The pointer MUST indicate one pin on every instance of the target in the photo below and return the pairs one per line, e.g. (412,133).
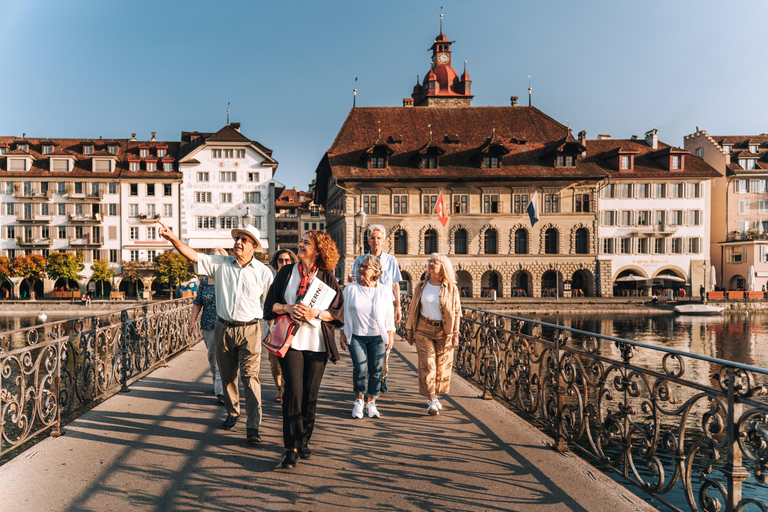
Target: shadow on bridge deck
(159,447)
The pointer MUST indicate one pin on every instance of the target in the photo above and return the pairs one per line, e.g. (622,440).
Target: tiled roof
(284,201)
(741,145)
(524,131)
(228,134)
(648,162)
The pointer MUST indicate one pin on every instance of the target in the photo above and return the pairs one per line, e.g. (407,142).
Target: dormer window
(753,148)
(47,149)
(378,162)
(112,149)
(144,152)
(564,161)
(727,148)
(134,166)
(429,162)
(677,162)
(168,166)
(22,147)
(87,150)
(626,162)
(151,166)
(491,162)
(748,163)
(161,152)
(2,151)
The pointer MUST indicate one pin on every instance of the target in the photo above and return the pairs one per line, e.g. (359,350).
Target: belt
(236,324)
(433,323)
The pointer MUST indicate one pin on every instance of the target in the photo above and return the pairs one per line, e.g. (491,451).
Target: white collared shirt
(240,291)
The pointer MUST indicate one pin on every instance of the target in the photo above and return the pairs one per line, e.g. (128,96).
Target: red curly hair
(327,254)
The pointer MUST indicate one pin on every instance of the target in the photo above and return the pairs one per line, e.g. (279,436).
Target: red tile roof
(525,132)
(740,149)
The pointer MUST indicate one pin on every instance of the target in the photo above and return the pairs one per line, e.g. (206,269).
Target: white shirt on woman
(308,337)
(430,302)
(368,311)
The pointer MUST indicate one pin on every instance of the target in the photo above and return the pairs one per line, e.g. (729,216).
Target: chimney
(133,137)
(153,136)
(634,137)
(652,138)
(236,126)
(514,101)
(407,102)
(603,136)
(583,137)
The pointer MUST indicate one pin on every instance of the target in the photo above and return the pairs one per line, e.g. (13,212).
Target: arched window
(550,241)
(460,241)
(430,241)
(521,241)
(401,242)
(582,241)
(491,247)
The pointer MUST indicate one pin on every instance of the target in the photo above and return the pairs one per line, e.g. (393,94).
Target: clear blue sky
(95,68)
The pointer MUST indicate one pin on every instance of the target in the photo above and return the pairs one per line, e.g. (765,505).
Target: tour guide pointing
(241,286)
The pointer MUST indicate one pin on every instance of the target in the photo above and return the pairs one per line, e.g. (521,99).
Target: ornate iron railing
(51,372)
(690,430)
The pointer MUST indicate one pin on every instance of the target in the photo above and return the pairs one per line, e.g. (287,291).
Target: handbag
(280,335)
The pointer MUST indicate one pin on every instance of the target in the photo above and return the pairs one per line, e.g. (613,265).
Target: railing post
(124,352)
(561,442)
(56,430)
(733,470)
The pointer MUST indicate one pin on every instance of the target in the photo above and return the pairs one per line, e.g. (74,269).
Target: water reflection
(733,337)
(13,323)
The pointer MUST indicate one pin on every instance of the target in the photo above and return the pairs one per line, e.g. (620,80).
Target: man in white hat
(241,283)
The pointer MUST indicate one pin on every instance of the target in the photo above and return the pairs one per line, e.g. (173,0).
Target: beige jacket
(450,307)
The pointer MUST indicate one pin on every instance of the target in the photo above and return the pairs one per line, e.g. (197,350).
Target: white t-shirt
(430,302)
(308,337)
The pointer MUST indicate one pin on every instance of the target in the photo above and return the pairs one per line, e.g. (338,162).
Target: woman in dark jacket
(304,363)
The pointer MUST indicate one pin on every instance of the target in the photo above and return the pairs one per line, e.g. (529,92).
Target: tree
(101,271)
(31,267)
(5,268)
(172,268)
(60,265)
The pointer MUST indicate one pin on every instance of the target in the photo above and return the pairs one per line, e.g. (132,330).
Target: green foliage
(31,267)
(102,271)
(172,268)
(130,270)
(61,265)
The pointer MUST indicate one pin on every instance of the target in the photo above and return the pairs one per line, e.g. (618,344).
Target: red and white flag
(440,210)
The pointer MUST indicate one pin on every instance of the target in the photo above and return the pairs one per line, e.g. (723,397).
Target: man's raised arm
(180,246)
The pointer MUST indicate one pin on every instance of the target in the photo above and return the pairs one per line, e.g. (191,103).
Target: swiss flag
(440,210)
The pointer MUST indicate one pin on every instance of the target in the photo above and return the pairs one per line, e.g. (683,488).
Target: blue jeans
(367,354)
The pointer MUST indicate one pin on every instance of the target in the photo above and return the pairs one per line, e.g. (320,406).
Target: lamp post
(359,226)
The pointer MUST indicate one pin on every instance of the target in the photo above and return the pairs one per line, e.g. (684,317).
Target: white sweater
(360,308)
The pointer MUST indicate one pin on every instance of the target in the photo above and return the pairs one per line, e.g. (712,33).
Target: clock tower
(442,86)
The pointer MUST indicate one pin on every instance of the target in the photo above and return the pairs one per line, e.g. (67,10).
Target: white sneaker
(432,408)
(373,412)
(438,404)
(357,409)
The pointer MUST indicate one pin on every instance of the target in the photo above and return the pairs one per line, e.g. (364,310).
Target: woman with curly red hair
(304,363)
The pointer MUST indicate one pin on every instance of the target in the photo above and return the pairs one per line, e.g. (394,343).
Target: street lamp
(359,226)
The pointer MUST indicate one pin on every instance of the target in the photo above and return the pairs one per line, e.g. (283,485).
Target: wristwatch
(319,315)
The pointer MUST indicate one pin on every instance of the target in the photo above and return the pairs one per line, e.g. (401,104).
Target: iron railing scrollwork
(50,372)
(690,430)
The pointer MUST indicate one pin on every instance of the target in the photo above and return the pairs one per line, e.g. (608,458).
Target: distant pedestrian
(241,283)
(205,301)
(369,329)
(390,277)
(433,326)
(304,363)
(279,260)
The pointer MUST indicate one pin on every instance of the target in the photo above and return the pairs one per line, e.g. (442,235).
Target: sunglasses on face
(244,239)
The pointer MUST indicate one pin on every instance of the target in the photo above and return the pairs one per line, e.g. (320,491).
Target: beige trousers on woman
(435,353)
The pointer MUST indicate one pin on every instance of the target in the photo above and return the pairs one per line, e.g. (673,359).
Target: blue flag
(533,210)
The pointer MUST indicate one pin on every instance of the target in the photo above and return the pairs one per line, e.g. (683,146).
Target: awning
(224,243)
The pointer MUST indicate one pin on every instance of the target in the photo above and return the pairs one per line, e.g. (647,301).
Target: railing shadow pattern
(51,372)
(690,430)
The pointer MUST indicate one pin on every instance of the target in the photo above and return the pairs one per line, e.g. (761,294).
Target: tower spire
(530,91)
(354,94)
(441,20)
(227,113)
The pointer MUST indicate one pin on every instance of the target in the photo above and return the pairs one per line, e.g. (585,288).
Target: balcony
(148,217)
(85,218)
(34,242)
(33,218)
(746,236)
(660,229)
(86,242)
(82,196)
(33,194)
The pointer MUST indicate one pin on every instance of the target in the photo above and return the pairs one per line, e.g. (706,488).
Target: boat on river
(698,309)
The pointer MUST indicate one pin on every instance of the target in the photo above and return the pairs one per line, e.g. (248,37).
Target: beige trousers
(238,350)
(435,352)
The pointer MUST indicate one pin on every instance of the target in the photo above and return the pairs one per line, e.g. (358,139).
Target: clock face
(442,58)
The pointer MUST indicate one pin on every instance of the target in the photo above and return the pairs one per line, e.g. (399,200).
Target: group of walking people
(237,292)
